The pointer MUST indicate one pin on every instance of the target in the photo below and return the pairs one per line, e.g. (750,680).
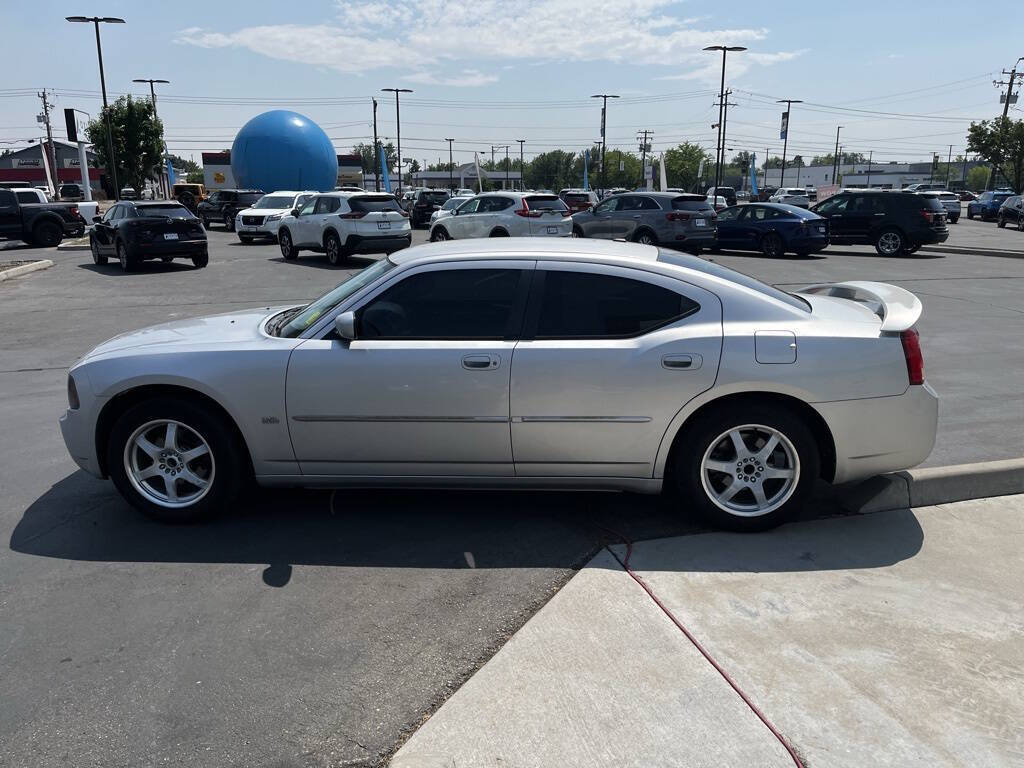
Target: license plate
(700,223)
(383,225)
(822,230)
(171,236)
(249,229)
(552,230)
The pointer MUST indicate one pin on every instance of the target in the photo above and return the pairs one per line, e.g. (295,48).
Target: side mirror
(97,219)
(295,212)
(345,325)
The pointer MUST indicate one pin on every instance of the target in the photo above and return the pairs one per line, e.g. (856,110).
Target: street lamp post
(451,167)
(522,167)
(604,134)
(165,189)
(719,151)
(785,139)
(95,21)
(835,158)
(398,128)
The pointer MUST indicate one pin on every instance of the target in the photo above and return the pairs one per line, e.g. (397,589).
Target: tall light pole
(96,21)
(835,158)
(719,153)
(398,127)
(451,167)
(152,93)
(522,166)
(785,139)
(604,139)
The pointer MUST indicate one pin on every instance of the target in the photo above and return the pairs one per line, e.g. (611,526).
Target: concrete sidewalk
(892,639)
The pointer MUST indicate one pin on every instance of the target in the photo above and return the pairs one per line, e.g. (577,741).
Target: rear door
(609,355)
(548,214)
(10,214)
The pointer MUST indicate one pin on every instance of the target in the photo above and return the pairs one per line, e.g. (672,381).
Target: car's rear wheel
(499,233)
(123,256)
(772,246)
(954,219)
(229,222)
(288,250)
(645,237)
(576,232)
(97,257)
(201,260)
(47,234)
(438,234)
(1001,223)
(175,461)
(245,239)
(890,242)
(332,247)
(746,468)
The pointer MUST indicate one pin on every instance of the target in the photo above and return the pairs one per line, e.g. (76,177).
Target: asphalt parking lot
(308,628)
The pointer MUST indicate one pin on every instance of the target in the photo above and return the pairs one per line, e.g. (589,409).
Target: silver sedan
(517,363)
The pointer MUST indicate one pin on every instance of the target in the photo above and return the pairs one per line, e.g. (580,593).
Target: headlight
(73,402)
(275,217)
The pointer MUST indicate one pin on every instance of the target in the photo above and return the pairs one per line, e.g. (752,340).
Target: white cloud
(710,70)
(372,34)
(469,78)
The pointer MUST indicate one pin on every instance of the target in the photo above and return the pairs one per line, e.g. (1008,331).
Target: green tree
(188,166)
(742,160)
(368,160)
(977,177)
(1001,142)
(682,163)
(137,137)
(555,170)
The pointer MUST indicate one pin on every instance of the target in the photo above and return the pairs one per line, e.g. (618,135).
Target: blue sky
(493,71)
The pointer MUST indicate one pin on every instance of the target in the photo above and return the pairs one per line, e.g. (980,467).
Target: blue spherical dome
(283,150)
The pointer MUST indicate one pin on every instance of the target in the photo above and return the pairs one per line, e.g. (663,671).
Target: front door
(460,225)
(302,227)
(729,227)
(103,230)
(10,214)
(601,225)
(835,209)
(424,388)
(609,356)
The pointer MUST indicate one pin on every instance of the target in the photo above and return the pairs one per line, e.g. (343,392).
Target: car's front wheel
(970,213)
(201,260)
(97,257)
(576,232)
(1001,223)
(123,256)
(229,222)
(746,468)
(438,234)
(288,249)
(890,242)
(47,234)
(175,461)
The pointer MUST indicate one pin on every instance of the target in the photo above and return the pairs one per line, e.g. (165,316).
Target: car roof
(546,249)
(153,203)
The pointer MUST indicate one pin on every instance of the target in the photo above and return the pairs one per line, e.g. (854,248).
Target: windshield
(373,203)
(282,202)
(576,197)
(296,321)
(170,211)
(545,203)
(433,198)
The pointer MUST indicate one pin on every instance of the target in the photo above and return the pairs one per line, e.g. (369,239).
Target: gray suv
(653,218)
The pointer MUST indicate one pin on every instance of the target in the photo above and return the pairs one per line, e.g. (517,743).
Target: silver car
(651,218)
(949,200)
(519,363)
(449,205)
(792,196)
(505,214)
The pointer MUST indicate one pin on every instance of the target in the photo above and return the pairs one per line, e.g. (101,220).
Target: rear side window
(327,205)
(581,305)
(373,203)
(27,197)
(492,204)
(689,204)
(545,203)
(7,198)
(447,304)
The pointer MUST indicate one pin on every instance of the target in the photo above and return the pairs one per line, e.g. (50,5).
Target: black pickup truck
(42,224)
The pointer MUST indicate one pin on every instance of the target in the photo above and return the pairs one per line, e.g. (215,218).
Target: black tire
(206,222)
(499,233)
(969,214)
(693,250)
(229,222)
(772,246)
(1001,223)
(439,234)
(284,240)
(125,257)
(201,260)
(704,435)
(577,232)
(890,242)
(97,257)
(47,234)
(645,237)
(228,467)
(247,239)
(954,219)
(332,247)
(715,249)
(166,259)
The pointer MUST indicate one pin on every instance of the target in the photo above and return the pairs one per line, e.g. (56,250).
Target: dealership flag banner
(700,168)
(479,178)
(384,169)
(586,162)
(753,174)
(664,176)
(785,125)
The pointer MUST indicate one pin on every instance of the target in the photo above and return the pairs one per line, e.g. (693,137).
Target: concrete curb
(932,485)
(74,245)
(24,269)
(956,250)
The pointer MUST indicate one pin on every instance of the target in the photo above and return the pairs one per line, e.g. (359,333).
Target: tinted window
(545,203)
(729,214)
(576,197)
(446,304)
(690,204)
(7,198)
(724,273)
(249,198)
(323,204)
(433,198)
(835,204)
(27,197)
(372,204)
(171,211)
(586,305)
(491,204)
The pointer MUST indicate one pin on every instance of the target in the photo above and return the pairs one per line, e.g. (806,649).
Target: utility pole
(49,140)
(785,137)
(963,177)
(1009,85)
(931,168)
(643,153)
(604,139)
(152,94)
(835,159)
(725,120)
(721,106)
(522,166)
(871,155)
(376,150)
(506,167)
(948,161)
(451,166)
(398,128)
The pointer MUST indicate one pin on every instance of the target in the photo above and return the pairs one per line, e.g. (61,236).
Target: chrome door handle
(636,217)
(879,214)
(480,362)
(681,362)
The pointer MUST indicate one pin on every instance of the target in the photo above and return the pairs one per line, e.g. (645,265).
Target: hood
(240,326)
(264,211)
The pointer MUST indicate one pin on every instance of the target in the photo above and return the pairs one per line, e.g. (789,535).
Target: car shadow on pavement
(146,267)
(710,255)
(319,261)
(81,518)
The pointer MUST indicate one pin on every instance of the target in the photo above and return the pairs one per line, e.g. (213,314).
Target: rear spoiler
(897,308)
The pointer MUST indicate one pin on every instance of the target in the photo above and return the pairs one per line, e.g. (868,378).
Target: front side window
(307,209)
(215,198)
(833,205)
(111,212)
(446,304)
(729,214)
(470,207)
(580,305)
(607,206)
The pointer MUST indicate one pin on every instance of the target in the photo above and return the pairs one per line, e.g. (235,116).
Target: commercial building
(863,175)
(26,166)
(217,171)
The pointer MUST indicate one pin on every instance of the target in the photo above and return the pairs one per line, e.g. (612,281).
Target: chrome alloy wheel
(750,470)
(890,243)
(169,463)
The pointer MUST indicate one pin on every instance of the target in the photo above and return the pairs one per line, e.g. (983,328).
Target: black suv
(224,204)
(1011,212)
(896,223)
(423,205)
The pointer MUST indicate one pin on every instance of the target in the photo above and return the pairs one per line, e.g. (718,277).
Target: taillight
(677,216)
(526,213)
(352,215)
(911,341)
(927,215)
(74,210)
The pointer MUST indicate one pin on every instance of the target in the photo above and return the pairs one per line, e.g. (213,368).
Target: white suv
(792,196)
(505,214)
(343,223)
(263,219)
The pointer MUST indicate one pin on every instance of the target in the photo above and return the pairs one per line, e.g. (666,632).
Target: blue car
(986,207)
(774,229)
